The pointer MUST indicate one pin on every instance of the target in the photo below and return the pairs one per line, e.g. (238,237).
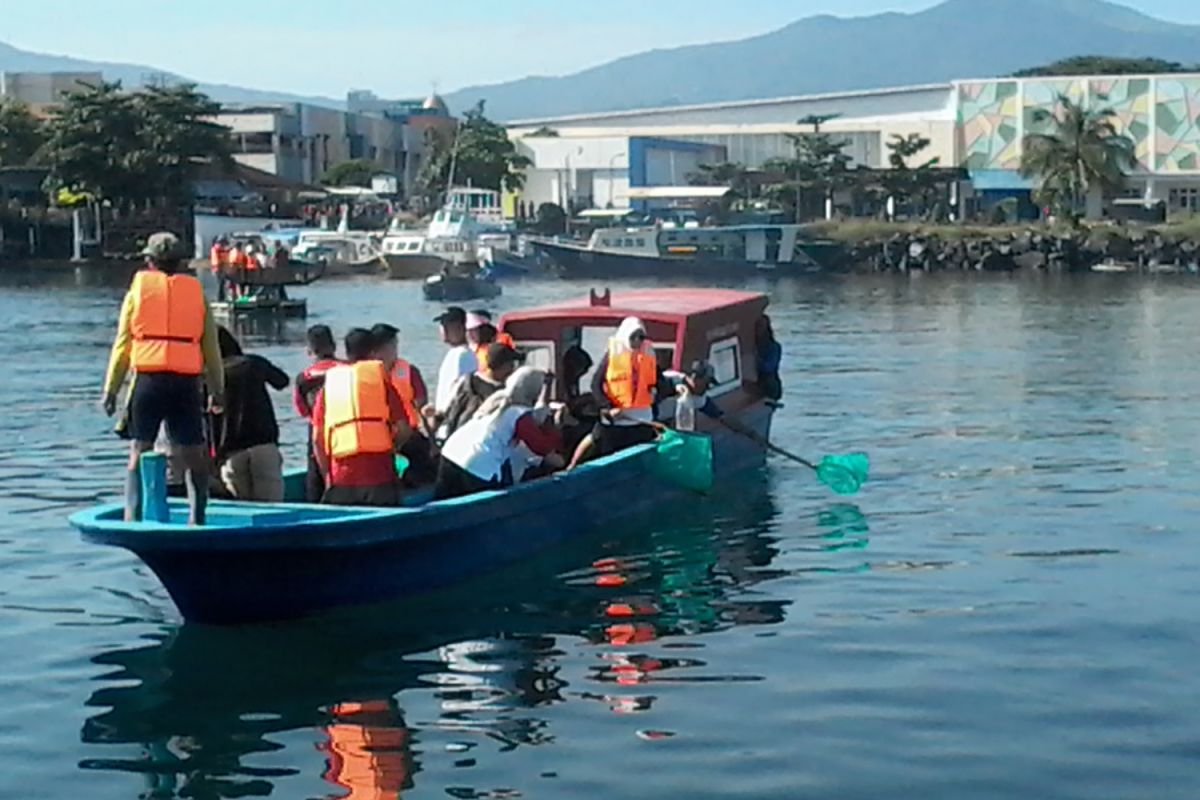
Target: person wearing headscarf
(626,384)
(477,457)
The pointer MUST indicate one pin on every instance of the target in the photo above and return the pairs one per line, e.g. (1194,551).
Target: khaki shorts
(255,473)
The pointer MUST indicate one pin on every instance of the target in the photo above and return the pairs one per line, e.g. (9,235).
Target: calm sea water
(1009,609)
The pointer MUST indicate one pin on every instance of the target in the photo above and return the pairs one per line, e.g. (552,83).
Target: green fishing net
(844,474)
(686,460)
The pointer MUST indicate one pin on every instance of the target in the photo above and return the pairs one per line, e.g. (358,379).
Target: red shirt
(370,469)
(309,383)
(542,441)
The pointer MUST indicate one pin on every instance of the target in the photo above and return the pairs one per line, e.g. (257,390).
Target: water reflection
(196,708)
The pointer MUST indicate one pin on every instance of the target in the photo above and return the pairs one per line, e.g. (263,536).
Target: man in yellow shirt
(167,336)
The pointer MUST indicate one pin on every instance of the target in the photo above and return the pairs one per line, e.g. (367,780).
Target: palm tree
(1079,159)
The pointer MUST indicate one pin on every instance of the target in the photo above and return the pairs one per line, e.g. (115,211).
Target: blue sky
(406,47)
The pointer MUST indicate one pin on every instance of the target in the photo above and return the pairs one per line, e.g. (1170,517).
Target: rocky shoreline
(1103,249)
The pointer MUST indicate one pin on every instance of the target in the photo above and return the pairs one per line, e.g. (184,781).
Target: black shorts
(165,397)
(611,439)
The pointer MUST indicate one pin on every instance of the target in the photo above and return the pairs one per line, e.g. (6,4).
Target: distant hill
(956,39)
(13,59)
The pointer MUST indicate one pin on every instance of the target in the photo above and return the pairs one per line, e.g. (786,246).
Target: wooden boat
(259,562)
(685,252)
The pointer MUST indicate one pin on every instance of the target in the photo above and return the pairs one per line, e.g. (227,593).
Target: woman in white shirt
(478,456)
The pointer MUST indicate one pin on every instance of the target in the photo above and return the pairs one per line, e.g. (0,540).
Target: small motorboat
(256,562)
(451,288)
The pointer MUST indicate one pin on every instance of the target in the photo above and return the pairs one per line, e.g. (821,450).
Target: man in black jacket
(247,436)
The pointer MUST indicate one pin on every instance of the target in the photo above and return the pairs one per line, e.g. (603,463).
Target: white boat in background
(449,243)
(342,251)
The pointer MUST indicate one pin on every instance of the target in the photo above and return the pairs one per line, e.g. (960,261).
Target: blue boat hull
(256,563)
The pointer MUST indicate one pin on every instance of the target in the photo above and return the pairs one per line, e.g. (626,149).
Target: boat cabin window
(726,360)
(539,355)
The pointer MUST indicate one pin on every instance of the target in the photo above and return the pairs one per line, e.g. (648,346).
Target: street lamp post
(612,190)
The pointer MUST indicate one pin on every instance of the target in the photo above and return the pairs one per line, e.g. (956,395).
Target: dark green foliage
(133,148)
(351,173)
(479,154)
(1105,65)
(21,134)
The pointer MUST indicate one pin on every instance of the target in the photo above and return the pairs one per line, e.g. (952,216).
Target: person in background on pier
(479,456)
(218,258)
(626,385)
(472,390)
(769,354)
(246,442)
(322,353)
(408,383)
(167,336)
(359,424)
(458,361)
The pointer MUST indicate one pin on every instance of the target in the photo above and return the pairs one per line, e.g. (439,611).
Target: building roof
(731,104)
(660,305)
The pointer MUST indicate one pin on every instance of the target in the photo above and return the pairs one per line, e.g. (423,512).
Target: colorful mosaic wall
(1039,99)
(1177,125)
(1130,101)
(1161,116)
(989,125)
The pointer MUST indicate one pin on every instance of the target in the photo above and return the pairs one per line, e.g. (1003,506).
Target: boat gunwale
(330,532)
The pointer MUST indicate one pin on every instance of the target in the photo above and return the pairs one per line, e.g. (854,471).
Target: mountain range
(955,39)
(13,59)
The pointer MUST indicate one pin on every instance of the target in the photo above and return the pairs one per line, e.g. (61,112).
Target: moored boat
(672,251)
(256,562)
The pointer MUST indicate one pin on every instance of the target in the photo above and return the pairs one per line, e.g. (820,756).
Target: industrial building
(42,91)
(579,172)
(978,125)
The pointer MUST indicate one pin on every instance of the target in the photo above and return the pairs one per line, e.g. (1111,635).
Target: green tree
(904,181)
(551,220)
(478,154)
(820,166)
(1104,65)
(351,173)
(1082,157)
(133,148)
(177,136)
(21,134)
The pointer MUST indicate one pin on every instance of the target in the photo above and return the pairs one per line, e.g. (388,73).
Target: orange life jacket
(357,420)
(217,257)
(403,381)
(481,349)
(631,377)
(167,324)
